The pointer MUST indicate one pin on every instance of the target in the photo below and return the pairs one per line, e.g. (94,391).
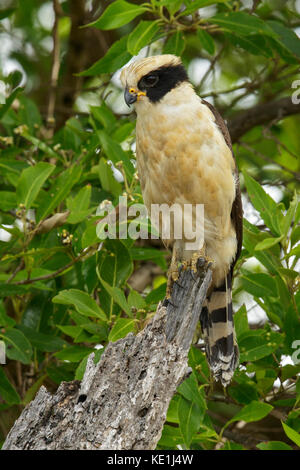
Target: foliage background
(67,145)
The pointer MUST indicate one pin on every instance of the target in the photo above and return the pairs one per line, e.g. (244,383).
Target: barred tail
(218,331)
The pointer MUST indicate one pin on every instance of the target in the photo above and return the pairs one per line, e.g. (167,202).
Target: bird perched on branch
(184,156)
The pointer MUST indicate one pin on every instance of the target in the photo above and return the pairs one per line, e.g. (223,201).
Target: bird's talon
(201,262)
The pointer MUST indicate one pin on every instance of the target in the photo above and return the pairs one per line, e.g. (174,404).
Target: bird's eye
(149,81)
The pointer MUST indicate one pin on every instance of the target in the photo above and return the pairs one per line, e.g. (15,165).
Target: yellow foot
(185,265)
(199,258)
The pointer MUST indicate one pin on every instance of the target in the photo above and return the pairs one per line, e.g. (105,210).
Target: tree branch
(261,114)
(47,277)
(55,65)
(122,401)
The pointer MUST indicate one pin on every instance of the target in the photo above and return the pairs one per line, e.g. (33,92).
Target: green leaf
(73,353)
(136,300)
(118,296)
(289,371)
(81,201)
(17,346)
(286,222)
(255,44)
(241,321)
(81,369)
(254,345)
(121,328)
(157,294)
(175,44)
(294,252)
(295,235)
(5,107)
(83,303)
(104,115)
(263,203)
(172,414)
(11,290)
(193,5)
(58,191)
(41,145)
(251,236)
(123,132)
(31,181)
(117,14)
(206,41)
(89,236)
(6,12)
(254,411)
(286,37)
(42,341)
(8,200)
(116,267)
(189,390)
(115,153)
(259,284)
(241,23)
(5,320)
(147,253)
(61,373)
(170,438)
(142,36)
(30,394)
(243,393)
(190,419)
(29,114)
(291,434)
(273,445)
(229,445)
(267,243)
(70,330)
(107,179)
(7,391)
(114,59)
(172,5)
(79,205)
(14,78)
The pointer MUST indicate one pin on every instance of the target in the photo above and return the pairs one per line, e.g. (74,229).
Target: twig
(215,94)
(296,174)
(46,277)
(268,135)
(255,5)
(261,114)
(210,69)
(55,65)
(15,272)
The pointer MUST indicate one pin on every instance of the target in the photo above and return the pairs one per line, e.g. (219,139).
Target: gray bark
(122,401)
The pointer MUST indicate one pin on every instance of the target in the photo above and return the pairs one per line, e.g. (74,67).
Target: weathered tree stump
(122,401)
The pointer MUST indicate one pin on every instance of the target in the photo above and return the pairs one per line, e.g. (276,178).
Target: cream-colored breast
(182,156)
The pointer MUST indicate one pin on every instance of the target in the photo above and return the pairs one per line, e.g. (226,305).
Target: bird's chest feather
(183,158)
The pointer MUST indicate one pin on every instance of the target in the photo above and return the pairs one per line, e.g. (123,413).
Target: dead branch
(122,401)
(261,114)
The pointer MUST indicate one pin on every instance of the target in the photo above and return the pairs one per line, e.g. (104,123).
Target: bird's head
(150,79)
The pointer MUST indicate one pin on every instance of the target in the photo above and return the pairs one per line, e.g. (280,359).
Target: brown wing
(237,209)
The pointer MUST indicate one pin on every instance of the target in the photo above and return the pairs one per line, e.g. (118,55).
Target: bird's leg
(173,273)
(199,259)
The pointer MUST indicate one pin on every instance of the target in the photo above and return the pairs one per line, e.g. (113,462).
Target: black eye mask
(158,83)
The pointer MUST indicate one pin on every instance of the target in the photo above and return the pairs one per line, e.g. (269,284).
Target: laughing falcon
(184,156)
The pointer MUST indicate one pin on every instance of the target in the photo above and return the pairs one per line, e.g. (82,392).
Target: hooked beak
(131,95)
